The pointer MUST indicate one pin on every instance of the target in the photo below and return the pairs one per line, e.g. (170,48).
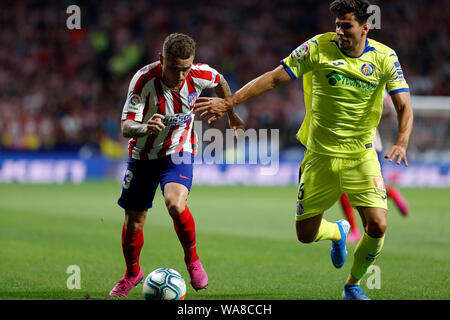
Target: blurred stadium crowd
(64,89)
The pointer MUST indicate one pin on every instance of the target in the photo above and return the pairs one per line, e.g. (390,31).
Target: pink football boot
(125,284)
(399,201)
(354,236)
(199,278)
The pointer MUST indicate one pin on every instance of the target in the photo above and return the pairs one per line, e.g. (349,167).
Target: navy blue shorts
(143,176)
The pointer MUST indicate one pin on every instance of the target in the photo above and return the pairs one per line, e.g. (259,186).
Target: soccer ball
(164,284)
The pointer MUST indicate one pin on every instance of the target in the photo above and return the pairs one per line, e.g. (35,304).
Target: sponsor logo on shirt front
(176,120)
(335,78)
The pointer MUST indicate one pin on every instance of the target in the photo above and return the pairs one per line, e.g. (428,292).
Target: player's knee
(306,230)
(376,228)
(304,237)
(174,205)
(135,220)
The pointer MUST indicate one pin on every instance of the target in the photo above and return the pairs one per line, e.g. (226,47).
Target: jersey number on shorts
(301,192)
(127,179)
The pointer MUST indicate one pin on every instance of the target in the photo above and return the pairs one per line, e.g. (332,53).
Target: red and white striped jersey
(147,95)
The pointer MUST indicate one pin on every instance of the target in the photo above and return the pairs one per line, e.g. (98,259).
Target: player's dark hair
(358,7)
(179,45)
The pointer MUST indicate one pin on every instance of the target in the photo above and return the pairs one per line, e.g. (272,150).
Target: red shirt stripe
(177,103)
(131,115)
(202,74)
(183,137)
(146,77)
(167,141)
(131,145)
(193,140)
(161,101)
(143,155)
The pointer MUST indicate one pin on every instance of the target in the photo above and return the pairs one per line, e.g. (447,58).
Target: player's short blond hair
(179,45)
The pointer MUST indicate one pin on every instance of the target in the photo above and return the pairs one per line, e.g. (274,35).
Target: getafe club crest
(367,69)
(379,187)
(299,209)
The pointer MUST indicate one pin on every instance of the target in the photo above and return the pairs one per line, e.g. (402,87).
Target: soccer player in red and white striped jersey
(149,94)
(158,118)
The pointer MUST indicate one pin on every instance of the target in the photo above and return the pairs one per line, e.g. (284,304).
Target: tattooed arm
(134,129)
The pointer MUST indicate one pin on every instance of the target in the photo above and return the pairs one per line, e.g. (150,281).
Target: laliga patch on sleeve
(399,71)
(134,102)
(301,51)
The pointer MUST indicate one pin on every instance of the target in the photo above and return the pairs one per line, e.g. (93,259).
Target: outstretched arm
(217,107)
(402,104)
(223,91)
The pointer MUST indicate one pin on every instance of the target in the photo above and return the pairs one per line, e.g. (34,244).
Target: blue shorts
(143,176)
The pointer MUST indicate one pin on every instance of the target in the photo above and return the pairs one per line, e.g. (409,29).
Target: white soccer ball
(164,284)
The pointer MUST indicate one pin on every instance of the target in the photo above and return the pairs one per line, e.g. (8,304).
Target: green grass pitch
(245,236)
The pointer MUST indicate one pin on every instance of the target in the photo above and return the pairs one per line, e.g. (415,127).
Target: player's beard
(177,84)
(348,45)
(173,83)
(345,45)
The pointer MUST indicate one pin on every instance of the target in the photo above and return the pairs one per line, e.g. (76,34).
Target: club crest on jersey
(301,51)
(367,69)
(300,209)
(191,99)
(379,187)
